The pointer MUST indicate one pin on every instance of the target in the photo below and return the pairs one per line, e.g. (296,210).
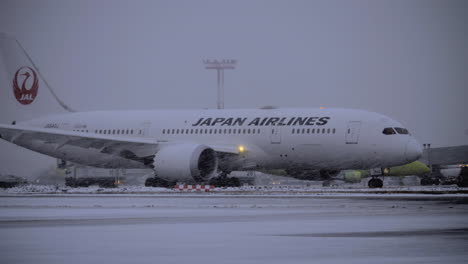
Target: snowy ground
(156,227)
(245,190)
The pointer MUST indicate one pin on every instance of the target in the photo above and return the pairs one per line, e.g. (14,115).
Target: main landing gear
(159,182)
(375,183)
(224,181)
(462,180)
(220,181)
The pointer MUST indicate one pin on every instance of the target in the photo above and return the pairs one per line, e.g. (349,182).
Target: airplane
(201,146)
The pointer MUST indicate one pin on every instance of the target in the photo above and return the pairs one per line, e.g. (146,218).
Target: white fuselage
(270,138)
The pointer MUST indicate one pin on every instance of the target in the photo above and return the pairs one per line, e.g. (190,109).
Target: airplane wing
(96,150)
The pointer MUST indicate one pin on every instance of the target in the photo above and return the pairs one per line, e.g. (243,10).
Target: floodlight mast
(220,66)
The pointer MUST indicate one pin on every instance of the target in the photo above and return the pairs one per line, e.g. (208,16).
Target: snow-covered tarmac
(233,228)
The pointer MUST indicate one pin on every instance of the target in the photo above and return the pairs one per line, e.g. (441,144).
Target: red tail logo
(27,92)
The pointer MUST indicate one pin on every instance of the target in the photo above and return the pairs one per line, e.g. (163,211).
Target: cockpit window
(388,131)
(401,130)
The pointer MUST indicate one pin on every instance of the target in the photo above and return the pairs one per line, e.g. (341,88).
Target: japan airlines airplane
(201,145)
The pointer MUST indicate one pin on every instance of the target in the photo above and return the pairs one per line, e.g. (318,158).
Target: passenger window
(388,131)
(401,130)
(323,130)
(328,131)
(334,130)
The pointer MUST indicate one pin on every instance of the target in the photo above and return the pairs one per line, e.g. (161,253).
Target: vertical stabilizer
(24,92)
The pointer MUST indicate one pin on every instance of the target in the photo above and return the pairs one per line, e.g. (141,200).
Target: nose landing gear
(375,183)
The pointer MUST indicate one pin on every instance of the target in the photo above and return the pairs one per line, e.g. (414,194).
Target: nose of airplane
(413,150)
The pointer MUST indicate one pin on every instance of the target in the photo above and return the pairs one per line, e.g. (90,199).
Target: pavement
(233,228)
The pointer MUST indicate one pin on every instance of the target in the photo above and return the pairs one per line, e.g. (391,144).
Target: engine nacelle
(185,162)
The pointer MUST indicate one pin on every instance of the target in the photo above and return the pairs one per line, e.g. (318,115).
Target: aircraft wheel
(375,183)
(429,181)
(326,183)
(157,182)
(225,182)
(462,181)
(234,182)
(425,181)
(70,182)
(149,182)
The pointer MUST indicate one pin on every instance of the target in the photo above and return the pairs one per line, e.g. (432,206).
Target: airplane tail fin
(24,92)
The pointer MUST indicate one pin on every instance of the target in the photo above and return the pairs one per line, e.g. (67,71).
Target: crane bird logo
(27,92)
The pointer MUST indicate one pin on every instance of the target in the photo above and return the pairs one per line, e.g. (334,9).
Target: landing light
(241,149)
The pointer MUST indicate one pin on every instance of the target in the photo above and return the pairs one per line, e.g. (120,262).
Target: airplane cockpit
(395,130)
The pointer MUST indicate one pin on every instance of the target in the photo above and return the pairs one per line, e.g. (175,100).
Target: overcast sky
(404,59)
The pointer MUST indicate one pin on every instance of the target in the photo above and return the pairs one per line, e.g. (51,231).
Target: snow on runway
(181,228)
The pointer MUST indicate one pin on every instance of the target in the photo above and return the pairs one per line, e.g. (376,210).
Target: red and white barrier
(193,188)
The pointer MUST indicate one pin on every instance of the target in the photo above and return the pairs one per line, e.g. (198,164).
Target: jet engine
(185,162)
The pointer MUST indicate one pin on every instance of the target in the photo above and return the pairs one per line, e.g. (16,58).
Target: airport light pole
(220,66)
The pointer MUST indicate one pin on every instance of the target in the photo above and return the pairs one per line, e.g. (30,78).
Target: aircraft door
(275,135)
(144,129)
(352,132)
